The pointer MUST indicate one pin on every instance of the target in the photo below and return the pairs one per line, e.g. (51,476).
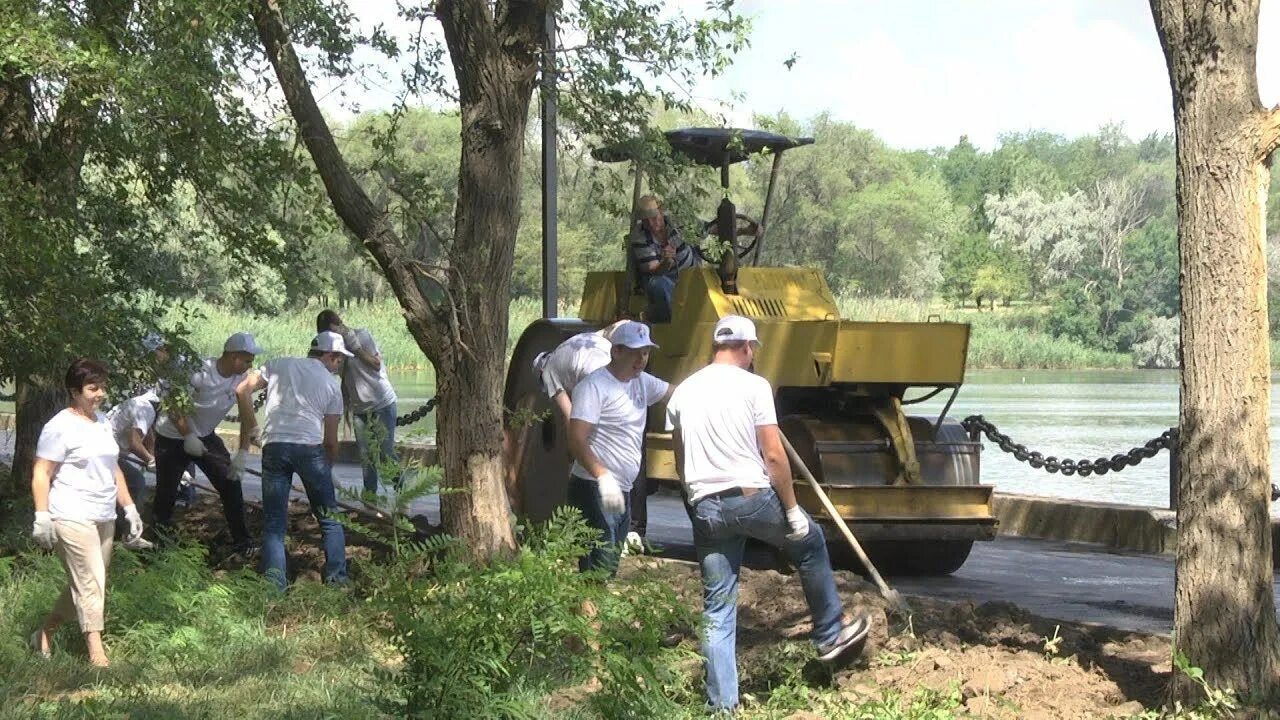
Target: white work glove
(42,530)
(135,522)
(799,523)
(611,500)
(255,436)
(193,445)
(151,465)
(238,462)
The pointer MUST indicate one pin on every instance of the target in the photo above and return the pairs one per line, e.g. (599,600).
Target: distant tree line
(1083,229)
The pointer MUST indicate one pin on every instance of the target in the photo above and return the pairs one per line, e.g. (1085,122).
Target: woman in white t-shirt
(76,484)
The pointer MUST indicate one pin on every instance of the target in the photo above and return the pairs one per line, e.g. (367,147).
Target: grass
(185,642)
(1005,338)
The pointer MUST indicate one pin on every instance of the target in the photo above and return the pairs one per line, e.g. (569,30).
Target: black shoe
(246,549)
(850,641)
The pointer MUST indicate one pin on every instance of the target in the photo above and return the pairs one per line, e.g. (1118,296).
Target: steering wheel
(746,225)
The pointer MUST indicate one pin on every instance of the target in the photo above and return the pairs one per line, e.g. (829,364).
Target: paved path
(1074,582)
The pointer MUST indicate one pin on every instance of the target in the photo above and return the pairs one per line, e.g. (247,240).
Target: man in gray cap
(192,437)
(606,432)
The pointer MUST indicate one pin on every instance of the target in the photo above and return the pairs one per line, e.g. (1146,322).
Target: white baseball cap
(634,335)
(242,342)
(540,362)
(735,327)
(328,341)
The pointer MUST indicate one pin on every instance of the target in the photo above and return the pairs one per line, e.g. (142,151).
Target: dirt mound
(1003,661)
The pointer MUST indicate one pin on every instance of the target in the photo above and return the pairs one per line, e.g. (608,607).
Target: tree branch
(352,204)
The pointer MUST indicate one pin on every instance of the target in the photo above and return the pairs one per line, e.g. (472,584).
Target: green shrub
(481,640)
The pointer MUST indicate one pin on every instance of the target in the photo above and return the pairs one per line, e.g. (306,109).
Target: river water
(1068,413)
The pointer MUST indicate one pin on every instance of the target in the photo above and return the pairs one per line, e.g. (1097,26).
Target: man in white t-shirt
(737,478)
(184,439)
(300,436)
(131,423)
(369,396)
(606,434)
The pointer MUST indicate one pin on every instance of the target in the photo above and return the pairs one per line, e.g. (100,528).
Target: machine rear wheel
(902,557)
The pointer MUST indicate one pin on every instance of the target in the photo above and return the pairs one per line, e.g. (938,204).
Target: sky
(923,73)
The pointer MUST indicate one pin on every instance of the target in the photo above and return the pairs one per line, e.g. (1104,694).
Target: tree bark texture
(1224,615)
(457,309)
(34,404)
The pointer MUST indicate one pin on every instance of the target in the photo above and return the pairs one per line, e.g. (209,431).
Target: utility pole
(550,289)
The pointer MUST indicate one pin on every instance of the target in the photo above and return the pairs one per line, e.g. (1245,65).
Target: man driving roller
(660,254)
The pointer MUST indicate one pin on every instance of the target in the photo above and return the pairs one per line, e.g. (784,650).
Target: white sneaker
(138,544)
(634,544)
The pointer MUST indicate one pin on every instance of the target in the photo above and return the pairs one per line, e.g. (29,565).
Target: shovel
(894,599)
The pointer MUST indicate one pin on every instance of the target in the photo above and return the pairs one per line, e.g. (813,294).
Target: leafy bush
(479,640)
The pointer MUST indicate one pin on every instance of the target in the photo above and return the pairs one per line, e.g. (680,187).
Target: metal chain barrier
(258,402)
(418,414)
(402,421)
(976,424)
(8,398)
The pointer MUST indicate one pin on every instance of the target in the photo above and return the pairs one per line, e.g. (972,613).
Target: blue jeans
(585,495)
(279,463)
(659,289)
(386,417)
(721,527)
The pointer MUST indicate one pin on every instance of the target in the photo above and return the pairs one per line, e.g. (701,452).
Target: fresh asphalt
(1067,581)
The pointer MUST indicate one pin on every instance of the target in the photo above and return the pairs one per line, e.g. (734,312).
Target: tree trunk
(457,312)
(1224,617)
(34,405)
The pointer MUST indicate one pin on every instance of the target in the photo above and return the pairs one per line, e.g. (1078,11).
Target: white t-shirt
(136,413)
(300,392)
(618,411)
(212,397)
(84,487)
(572,360)
(370,389)
(716,411)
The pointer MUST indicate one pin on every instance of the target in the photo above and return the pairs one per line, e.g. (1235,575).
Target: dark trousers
(640,504)
(171,460)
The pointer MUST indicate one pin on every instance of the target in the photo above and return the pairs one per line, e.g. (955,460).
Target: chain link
(1084,468)
(9,398)
(403,420)
(418,414)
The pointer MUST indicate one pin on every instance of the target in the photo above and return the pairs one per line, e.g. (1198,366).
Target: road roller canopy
(707,146)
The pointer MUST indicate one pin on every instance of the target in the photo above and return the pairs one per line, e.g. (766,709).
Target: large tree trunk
(34,405)
(1224,616)
(457,311)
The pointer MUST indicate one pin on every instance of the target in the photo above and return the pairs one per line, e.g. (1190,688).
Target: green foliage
(475,636)
(185,642)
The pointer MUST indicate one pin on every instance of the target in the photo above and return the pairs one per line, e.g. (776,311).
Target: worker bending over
(183,439)
(730,457)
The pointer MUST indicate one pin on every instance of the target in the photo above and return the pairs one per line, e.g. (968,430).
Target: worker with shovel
(731,459)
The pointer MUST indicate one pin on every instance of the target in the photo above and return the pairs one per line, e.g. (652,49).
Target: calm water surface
(1076,414)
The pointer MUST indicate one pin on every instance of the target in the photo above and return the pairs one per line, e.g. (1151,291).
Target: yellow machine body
(840,384)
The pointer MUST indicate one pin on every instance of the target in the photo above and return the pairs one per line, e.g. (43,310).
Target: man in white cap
(300,436)
(737,478)
(183,439)
(131,422)
(606,433)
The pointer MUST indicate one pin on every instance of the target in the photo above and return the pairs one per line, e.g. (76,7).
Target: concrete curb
(1134,528)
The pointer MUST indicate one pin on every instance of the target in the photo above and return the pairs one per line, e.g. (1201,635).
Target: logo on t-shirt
(724,331)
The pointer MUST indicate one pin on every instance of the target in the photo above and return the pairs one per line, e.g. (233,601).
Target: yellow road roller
(907,485)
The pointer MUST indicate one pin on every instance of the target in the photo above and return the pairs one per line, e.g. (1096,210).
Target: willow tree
(456,303)
(1224,613)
